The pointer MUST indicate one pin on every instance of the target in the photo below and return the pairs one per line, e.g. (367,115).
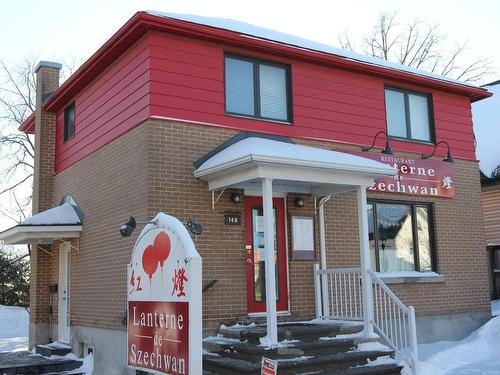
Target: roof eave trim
(28,125)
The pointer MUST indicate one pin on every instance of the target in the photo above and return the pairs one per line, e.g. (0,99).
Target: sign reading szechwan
(415,176)
(164,300)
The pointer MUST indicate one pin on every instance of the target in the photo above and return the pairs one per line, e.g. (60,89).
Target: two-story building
(241,129)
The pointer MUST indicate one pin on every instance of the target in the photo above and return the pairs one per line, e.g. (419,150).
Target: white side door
(63,326)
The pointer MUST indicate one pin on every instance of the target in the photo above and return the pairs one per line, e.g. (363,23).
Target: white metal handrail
(339,295)
(344,297)
(395,322)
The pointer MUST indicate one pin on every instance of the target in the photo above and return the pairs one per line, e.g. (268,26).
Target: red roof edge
(28,126)
(141,22)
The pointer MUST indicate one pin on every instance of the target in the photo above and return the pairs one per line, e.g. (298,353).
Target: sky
(68,31)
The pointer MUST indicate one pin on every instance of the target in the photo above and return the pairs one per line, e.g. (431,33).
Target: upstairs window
(69,122)
(257,89)
(409,115)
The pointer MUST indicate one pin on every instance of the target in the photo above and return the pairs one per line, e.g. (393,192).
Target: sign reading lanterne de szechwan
(164,300)
(415,176)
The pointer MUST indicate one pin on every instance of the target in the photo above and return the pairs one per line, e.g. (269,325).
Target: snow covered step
(15,363)
(289,331)
(286,349)
(353,362)
(54,348)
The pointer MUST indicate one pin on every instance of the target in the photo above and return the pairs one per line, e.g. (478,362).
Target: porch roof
(293,168)
(63,221)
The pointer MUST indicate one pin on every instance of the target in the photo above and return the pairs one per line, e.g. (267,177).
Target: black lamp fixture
(128,228)
(236,198)
(448,158)
(299,201)
(193,227)
(387,150)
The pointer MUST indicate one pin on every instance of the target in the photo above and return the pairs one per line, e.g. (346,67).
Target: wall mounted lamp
(193,227)
(387,150)
(128,228)
(299,202)
(448,158)
(236,198)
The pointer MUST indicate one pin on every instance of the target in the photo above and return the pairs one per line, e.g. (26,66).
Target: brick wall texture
(149,169)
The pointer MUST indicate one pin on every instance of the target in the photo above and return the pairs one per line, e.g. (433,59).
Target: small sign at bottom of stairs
(269,367)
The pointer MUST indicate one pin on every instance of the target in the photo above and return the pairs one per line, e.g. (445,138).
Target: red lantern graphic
(162,250)
(149,263)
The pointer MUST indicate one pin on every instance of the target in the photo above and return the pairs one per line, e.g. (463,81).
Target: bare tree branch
(419,45)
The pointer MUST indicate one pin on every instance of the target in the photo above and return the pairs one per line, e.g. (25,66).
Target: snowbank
(14,328)
(476,354)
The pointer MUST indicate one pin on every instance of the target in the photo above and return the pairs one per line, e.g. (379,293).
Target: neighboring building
(185,115)
(486,127)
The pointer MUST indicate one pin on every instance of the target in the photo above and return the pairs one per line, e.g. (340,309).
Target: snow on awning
(63,221)
(295,167)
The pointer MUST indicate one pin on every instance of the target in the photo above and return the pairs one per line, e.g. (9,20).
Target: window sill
(411,140)
(410,277)
(282,122)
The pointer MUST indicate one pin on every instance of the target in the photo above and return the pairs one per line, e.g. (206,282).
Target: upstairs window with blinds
(257,89)
(409,115)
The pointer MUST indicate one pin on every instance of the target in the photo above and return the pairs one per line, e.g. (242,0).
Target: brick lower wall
(149,169)
(109,186)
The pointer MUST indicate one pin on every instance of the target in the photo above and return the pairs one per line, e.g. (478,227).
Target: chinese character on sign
(178,280)
(135,286)
(447,181)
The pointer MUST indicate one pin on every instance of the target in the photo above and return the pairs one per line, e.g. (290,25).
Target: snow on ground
(14,327)
(477,354)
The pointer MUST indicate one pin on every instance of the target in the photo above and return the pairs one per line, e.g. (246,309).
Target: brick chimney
(47,81)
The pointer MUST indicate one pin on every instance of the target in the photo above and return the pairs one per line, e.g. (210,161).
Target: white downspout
(322,246)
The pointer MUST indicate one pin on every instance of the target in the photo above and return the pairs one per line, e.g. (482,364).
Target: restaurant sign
(164,300)
(415,176)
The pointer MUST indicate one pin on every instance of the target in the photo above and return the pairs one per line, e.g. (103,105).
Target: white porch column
(322,244)
(272,323)
(364,252)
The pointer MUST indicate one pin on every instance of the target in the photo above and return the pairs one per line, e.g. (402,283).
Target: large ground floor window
(401,236)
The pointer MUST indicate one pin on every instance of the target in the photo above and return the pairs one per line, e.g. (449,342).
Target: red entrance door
(256,281)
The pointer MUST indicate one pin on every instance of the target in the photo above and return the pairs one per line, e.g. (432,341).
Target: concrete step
(325,364)
(254,353)
(289,331)
(54,348)
(15,363)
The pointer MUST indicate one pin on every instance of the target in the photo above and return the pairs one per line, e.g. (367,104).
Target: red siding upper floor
(173,77)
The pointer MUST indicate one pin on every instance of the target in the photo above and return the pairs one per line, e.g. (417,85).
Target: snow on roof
(486,120)
(64,214)
(254,149)
(248,29)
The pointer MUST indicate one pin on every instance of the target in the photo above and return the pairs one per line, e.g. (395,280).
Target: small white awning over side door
(64,221)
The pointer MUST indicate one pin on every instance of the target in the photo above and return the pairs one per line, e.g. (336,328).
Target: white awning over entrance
(260,163)
(63,221)
(293,168)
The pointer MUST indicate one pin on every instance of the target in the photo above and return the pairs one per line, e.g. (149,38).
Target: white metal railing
(338,293)
(395,322)
(341,296)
